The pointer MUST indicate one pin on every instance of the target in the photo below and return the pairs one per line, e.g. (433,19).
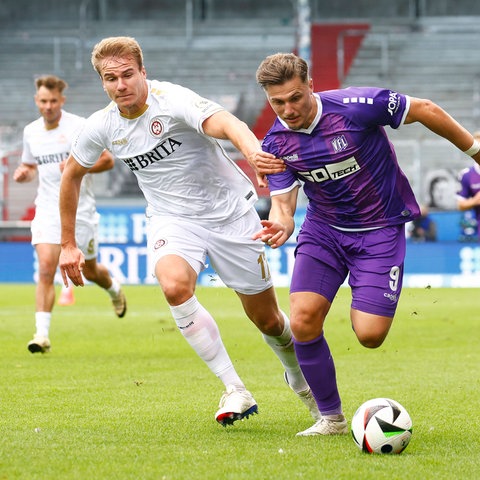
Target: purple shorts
(373,261)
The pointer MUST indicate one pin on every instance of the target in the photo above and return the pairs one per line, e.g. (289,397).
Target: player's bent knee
(306,332)
(268,325)
(371,330)
(177,293)
(371,339)
(371,342)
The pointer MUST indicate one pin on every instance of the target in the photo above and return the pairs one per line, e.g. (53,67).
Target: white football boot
(235,405)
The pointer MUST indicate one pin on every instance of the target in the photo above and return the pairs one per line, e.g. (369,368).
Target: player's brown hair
(51,82)
(116,47)
(280,68)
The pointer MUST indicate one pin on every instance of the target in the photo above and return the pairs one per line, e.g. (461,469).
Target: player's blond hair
(280,68)
(116,47)
(51,82)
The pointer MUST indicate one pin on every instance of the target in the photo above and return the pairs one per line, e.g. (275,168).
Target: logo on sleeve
(393,102)
(156,127)
(159,244)
(203,105)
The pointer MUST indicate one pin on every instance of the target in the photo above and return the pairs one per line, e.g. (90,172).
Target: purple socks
(318,368)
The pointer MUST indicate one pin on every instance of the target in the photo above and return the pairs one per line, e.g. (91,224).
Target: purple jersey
(470,185)
(348,166)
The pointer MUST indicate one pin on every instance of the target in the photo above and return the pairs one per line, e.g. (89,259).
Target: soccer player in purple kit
(335,144)
(468,198)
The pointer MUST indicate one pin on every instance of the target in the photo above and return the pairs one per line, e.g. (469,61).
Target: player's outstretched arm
(224,125)
(71,258)
(281,223)
(443,124)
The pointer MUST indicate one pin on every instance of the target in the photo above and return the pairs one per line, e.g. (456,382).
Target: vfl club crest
(156,127)
(339,143)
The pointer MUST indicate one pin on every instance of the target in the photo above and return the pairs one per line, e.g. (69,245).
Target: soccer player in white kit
(199,203)
(46,146)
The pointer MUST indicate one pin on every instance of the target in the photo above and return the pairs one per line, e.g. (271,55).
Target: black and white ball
(381,425)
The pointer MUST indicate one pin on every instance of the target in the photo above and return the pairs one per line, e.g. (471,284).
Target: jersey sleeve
(372,106)
(282,182)
(27,156)
(191,108)
(88,145)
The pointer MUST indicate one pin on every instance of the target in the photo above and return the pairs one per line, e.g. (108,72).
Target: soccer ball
(381,425)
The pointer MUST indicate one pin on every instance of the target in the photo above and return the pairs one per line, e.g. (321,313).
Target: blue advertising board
(122,236)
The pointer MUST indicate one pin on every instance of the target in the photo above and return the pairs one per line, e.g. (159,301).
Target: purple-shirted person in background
(468,198)
(335,144)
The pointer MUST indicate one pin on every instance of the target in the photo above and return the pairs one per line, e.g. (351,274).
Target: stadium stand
(435,58)
(432,56)
(219,62)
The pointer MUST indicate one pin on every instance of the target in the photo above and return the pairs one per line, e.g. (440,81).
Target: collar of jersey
(135,115)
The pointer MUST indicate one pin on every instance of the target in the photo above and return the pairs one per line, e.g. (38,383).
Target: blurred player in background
(67,297)
(199,203)
(468,198)
(46,146)
(423,228)
(334,142)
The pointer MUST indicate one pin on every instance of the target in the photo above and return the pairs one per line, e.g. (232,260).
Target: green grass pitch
(128,399)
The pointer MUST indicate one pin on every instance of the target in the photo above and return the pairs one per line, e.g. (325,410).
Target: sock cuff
(185,309)
(39,316)
(319,339)
(114,287)
(286,326)
(284,340)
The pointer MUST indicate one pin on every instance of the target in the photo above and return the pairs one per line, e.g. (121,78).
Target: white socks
(201,332)
(114,289)
(283,348)
(42,323)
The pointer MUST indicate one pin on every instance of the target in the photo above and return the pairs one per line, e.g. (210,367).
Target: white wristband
(474,149)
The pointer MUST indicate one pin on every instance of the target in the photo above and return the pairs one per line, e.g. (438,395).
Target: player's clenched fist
(265,164)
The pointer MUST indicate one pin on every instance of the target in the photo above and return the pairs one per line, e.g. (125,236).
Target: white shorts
(239,261)
(48,230)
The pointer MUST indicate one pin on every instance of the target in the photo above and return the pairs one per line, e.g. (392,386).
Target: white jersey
(47,149)
(181,171)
